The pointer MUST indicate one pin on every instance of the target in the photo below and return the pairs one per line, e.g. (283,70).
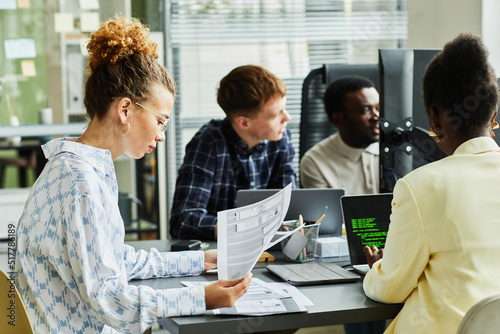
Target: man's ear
(242,122)
(337,118)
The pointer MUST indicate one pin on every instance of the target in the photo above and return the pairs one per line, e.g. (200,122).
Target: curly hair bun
(119,38)
(465,55)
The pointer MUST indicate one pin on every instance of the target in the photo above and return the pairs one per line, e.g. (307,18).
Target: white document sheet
(258,290)
(244,233)
(289,290)
(264,298)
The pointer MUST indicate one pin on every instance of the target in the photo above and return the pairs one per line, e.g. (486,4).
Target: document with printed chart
(245,232)
(263,299)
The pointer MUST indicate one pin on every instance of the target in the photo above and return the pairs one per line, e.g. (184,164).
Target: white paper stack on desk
(264,298)
(332,247)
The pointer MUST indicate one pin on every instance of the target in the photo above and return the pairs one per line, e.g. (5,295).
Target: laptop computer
(312,273)
(366,219)
(310,203)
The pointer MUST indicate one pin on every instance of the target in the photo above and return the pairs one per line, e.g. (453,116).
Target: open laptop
(366,219)
(310,203)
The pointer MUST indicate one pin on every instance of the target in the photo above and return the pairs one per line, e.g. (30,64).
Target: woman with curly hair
(73,266)
(441,249)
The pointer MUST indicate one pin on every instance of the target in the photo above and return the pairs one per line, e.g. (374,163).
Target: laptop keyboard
(311,272)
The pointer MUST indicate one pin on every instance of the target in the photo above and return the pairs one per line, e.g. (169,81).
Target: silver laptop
(366,219)
(310,203)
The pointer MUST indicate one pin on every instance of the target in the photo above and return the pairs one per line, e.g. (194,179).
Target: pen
(303,254)
(318,221)
(297,225)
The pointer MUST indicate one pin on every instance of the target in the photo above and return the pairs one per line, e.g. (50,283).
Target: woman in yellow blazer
(441,254)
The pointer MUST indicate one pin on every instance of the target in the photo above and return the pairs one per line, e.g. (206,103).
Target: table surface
(333,304)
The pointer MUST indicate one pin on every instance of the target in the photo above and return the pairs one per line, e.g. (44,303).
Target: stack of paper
(332,247)
(264,298)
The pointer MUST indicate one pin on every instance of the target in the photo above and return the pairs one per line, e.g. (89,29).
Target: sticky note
(19,48)
(63,22)
(28,68)
(23,4)
(8,4)
(89,22)
(89,4)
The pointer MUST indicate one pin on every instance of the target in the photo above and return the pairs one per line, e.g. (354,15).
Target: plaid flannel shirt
(217,164)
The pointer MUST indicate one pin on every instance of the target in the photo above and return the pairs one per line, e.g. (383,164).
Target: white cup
(45,116)
(16,140)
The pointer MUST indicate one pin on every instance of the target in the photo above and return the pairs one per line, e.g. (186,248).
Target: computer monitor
(404,140)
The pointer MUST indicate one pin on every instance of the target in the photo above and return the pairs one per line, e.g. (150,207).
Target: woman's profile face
(146,122)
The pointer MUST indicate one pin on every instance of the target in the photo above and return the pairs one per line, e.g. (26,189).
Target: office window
(23,58)
(208,38)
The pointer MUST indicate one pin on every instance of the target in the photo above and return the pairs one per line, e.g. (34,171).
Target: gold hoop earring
(493,126)
(123,134)
(434,135)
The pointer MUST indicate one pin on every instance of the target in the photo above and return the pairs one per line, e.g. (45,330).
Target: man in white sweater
(348,159)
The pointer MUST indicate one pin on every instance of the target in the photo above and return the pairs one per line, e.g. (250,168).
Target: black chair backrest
(314,123)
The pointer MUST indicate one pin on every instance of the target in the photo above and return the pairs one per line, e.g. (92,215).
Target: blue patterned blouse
(72,264)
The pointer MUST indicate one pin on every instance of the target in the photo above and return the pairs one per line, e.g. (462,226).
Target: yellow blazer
(441,254)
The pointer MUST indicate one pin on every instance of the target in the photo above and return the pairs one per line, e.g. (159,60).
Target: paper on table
(263,298)
(245,232)
(258,290)
(289,290)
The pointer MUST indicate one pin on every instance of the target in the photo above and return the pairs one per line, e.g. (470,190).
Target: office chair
(314,123)
(12,308)
(482,318)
